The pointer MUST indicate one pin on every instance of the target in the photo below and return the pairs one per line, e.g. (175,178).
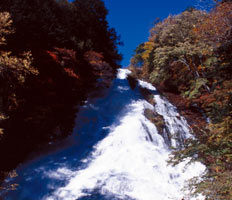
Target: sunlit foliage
(190,55)
(13,70)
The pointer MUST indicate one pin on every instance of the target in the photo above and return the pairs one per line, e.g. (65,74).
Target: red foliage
(66,61)
(71,73)
(93,56)
(53,56)
(217,27)
(96,61)
(62,54)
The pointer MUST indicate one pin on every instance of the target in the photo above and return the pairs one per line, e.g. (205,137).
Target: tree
(191,56)
(13,70)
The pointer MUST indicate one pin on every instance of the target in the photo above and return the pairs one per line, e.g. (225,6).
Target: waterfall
(129,162)
(127,165)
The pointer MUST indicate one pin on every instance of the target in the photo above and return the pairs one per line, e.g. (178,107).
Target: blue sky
(132,19)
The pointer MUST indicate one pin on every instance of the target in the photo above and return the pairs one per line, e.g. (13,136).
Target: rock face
(147,94)
(132,81)
(155,118)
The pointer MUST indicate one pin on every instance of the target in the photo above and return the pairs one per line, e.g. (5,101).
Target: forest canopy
(52,54)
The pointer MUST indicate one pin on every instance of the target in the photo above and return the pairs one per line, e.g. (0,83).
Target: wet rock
(132,81)
(192,114)
(148,95)
(155,118)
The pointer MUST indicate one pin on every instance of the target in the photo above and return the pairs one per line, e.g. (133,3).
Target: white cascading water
(126,164)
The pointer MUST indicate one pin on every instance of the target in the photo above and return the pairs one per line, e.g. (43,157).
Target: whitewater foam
(131,161)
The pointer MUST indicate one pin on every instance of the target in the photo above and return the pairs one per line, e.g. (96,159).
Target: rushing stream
(115,153)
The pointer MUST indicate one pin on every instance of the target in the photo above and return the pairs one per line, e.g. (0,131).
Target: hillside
(188,58)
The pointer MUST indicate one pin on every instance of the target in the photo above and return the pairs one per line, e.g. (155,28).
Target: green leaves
(190,55)
(195,88)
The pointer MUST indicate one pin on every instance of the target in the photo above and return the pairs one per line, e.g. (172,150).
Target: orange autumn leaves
(217,27)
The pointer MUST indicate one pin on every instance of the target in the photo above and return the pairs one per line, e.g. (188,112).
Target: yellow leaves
(2,117)
(5,26)
(18,66)
(201,68)
(216,169)
(148,47)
